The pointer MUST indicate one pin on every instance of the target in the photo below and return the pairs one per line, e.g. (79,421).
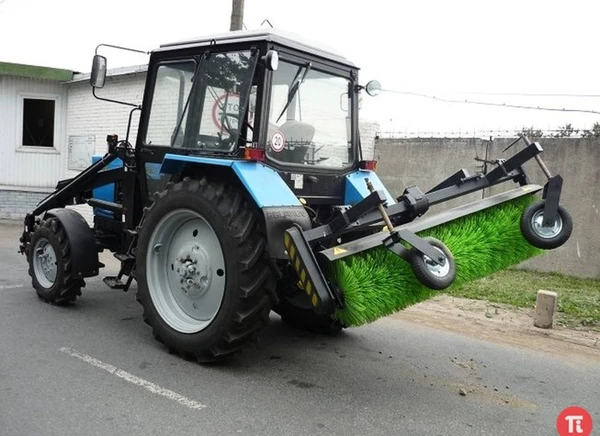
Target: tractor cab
(256,95)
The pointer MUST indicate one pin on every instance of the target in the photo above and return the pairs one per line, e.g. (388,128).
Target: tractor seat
(297,132)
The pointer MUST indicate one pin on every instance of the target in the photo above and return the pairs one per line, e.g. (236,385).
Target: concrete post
(545,305)
(237,15)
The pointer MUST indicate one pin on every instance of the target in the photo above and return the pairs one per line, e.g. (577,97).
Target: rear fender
(84,253)
(279,205)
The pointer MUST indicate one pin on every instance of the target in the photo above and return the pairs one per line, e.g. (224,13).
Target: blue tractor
(245,180)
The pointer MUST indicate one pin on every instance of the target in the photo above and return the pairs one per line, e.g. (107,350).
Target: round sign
(574,421)
(277,141)
(226,110)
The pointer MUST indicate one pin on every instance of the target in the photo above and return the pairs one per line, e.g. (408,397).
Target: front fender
(84,254)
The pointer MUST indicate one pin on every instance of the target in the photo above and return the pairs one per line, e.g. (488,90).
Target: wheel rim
(542,231)
(44,263)
(435,269)
(185,271)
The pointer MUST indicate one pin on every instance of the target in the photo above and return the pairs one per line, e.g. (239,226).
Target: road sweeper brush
(375,275)
(377,282)
(246,191)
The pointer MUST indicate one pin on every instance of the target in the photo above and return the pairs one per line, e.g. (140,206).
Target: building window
(38,122)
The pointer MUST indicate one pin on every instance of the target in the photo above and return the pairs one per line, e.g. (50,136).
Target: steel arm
(86,180)
(413,203)
(82,182)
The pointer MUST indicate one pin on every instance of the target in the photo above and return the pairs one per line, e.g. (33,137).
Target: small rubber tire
(49,240)
(248,291)
(429,273)
(545,238)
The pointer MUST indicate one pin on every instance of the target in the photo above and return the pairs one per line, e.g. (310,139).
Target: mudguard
(84,254)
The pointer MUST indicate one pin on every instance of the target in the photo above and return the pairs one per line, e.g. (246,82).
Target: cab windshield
(309,118)
(198,103)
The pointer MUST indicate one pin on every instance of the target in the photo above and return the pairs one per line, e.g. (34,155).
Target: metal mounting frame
(365,213)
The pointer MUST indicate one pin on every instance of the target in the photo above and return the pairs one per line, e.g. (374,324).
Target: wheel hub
(541,230)
(44,263)
(438,270)
(185,270)
(194,271)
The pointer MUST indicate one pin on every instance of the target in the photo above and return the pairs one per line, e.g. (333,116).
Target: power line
(532,94)
(2,1)
(487,103)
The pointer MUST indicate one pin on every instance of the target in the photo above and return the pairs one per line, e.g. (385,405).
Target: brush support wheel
(428,272)
(545,237)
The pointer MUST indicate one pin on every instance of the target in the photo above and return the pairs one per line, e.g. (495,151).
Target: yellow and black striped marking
(305,282)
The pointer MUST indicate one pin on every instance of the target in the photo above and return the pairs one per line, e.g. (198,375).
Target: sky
(456,50)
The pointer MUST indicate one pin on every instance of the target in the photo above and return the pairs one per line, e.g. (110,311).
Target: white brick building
(51,125)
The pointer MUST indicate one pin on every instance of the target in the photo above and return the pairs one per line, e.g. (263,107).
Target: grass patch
(578,299)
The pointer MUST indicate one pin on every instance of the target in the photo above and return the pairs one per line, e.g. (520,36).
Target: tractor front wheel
(203,278)
(50,266)
(545,237)
(433,275)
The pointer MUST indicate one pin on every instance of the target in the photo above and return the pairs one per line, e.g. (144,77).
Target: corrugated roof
(35,72)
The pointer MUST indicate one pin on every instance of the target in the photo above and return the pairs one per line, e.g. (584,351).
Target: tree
(530,132)
(593,133)
(566,131)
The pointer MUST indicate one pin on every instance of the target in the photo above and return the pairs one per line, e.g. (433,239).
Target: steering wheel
(226,125)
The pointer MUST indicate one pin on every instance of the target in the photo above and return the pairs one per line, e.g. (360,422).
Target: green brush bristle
(378,283)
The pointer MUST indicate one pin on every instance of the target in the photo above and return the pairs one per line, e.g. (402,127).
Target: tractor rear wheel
(203,277)
(50,266)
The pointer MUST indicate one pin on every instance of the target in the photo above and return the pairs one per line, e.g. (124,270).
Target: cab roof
(261,35)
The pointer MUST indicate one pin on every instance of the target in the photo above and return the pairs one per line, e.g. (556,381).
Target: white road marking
(149,386)
(10,286)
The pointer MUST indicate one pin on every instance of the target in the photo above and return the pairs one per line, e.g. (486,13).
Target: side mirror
(98,75)
(373,88)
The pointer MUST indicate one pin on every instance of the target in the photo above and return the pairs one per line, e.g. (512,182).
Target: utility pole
(237,14)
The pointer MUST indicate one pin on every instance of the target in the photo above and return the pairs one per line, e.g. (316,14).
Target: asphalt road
(94,369)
